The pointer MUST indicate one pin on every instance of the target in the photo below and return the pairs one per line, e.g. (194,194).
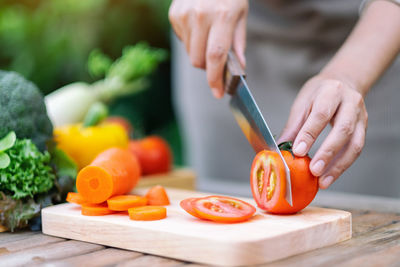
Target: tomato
(223,209)
(187,205)
(268,184)
(122,122)
(153,153)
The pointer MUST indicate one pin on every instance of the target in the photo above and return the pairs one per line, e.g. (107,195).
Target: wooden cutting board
(183,178)
(263,239)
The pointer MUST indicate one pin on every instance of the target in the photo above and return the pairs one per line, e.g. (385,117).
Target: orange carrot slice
(157,196)
(113,172)
(147,213)
(124,202)
(75,198)
(96,209)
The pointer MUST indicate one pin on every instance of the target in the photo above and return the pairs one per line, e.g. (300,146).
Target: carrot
(113,172)
(147,213)
(124,202)
(75,198)
(96,209)
(157,196)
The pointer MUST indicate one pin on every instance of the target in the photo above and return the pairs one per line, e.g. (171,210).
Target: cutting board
(183,178)
(262,239)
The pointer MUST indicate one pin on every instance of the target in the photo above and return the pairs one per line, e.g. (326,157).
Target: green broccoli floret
(29,171)
(22,110)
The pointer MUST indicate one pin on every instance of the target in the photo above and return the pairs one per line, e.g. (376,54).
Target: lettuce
(28,172)
(16,213)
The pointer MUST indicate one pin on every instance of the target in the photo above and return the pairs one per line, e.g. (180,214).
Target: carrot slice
(124,202)
(147,213)
(113,172)
(157,196)
(75,198)
(96,209)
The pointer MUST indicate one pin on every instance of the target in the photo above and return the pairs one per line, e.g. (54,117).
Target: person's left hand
(321,101)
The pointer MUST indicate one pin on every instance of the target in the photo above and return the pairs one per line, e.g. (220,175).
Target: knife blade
(248,115)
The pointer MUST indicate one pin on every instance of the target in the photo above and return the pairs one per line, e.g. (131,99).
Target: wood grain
(264,238)
(40,254)
(104,257)
(32,241)
(371,238)
(183,178)
(11,237)
(148,260)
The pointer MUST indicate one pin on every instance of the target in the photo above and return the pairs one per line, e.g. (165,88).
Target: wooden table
(375,242)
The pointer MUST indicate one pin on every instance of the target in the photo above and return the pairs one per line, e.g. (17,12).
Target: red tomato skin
(187,205)
(304,185)
(153,153)
(230,214)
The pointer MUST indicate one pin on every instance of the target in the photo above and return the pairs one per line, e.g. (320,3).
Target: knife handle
(233,71)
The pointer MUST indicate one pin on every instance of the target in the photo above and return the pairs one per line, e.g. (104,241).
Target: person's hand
(209,28)
(322,101)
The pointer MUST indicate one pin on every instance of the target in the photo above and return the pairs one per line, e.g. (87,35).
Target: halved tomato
(268,184)
(223,209)
(267,179)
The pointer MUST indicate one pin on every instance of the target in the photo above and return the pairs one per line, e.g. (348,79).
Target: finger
(339,136)
(298,115)
(174,17)
(345,158)
(322,111)
(198,40)
(239,40)
(218,45)
(179,18)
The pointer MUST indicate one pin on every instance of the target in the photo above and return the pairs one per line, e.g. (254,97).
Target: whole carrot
(115,171)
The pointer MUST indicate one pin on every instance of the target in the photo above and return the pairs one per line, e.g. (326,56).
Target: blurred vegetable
(125,76)
(97,113)
(7,142)
(16,213)
(19,213)
(29,171)
(123,122)
(22,110)
(153,153)
(48,42)
(83,144)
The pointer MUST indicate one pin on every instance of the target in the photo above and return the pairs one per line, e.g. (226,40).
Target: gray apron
(288,42)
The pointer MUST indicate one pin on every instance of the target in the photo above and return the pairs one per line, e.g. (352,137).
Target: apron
(287,43)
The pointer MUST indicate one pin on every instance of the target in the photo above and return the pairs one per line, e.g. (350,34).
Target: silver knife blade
(254,126)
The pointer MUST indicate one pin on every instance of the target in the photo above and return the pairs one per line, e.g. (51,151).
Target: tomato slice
(223,209)
(187,205)
(267,179)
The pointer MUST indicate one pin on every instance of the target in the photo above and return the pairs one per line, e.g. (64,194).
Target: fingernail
(318,167)
(325,182)
(300,149)
(216,92)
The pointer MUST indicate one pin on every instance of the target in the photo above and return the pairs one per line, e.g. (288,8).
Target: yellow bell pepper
(83,144)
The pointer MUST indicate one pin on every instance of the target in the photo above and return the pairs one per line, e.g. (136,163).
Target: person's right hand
(209,28)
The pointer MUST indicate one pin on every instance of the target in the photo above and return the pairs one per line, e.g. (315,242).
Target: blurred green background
(48,41)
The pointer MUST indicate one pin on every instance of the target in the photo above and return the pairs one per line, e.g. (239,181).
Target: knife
(248,115)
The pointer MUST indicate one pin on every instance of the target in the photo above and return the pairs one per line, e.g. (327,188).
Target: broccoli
(22,109)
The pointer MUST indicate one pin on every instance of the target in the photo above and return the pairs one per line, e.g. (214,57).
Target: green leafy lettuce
(31,180)
(28,172)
